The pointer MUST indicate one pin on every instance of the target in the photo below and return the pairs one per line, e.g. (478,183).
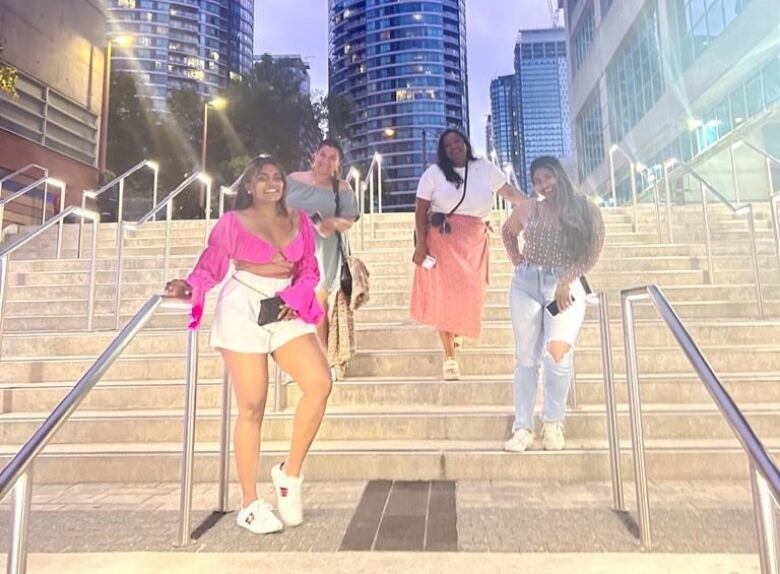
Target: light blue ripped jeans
(533,287)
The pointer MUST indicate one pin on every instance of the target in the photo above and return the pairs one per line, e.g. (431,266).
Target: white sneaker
(259,518)
(552,436)
(288,496)
(520,441)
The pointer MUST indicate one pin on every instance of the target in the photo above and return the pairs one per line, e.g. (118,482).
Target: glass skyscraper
(503,112)
(542,74)
(403,64)
(199,44)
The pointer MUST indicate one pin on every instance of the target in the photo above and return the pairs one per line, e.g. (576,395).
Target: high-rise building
(177,44)
(503,112)
(490,147)
(295,64)
(403,64)
(683,79)
(541,71)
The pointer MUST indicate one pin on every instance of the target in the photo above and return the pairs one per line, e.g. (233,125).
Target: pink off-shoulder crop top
(230,240)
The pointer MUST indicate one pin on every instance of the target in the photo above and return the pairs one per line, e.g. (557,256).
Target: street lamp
(122,41)
(389,132)
(218,103)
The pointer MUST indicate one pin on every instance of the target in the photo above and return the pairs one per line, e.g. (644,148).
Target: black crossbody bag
(345,275)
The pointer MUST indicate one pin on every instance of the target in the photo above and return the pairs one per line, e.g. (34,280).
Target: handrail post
(668,191)
(612,183)
(632,172)
(769,177)
(379,181)
(635,416)
(224,443)
(80,237)
(278,403)
(119,210)
(207,221)
(610,402)
(154,191)
(754,261)
(118,273)
(4,260)
(657,200)
(362,202)
(774,207)
(734,173)
(371,187)
(167,256)
(707,238)
(763,507)
(63,192)
(188,447)
(92,276)
(20,521)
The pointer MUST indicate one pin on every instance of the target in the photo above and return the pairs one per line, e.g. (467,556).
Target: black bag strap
(463,195)
(343,245)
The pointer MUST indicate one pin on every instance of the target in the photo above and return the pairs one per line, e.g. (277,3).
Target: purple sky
(491,25)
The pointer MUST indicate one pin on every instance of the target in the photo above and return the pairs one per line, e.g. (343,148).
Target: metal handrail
(45,181)
(736,209)
(600,301)
(20,171)
(764,473)
(6,251)
(166,203)
(120,179)
(632,170)
(774,198)
(227,190)
(17,474)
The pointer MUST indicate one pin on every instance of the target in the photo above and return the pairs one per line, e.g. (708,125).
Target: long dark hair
(574,208)
(444,163)
(244,195)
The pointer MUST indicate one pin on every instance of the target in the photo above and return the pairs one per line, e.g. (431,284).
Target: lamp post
(103,152)
(217,103)
(632,166)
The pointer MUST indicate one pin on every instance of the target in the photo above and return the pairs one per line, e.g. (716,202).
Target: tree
(335,113)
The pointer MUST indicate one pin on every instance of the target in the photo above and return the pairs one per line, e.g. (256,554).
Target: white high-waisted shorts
(235,325)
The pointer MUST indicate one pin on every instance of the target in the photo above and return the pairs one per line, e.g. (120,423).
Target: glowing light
(218,103)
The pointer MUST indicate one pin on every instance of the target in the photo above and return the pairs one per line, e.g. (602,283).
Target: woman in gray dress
(312,192)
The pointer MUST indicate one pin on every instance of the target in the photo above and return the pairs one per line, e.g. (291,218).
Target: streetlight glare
(123,41)
(389,132)
(218,103)
(152,164)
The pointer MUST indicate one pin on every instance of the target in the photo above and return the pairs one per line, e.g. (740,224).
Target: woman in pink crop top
(279,242)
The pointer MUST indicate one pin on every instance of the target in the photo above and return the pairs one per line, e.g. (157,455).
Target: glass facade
(700,22)
(200,44)
(502,112)
(590,136)
(582,38)
(403,64)
(605,6)
(543,93)
(635,75)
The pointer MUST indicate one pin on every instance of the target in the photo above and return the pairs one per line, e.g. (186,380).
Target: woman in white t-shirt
(453,199)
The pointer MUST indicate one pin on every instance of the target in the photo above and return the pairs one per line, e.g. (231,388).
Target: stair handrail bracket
(17,475)
(764,474)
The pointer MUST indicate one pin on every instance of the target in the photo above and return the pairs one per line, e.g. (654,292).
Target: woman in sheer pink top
(271,310)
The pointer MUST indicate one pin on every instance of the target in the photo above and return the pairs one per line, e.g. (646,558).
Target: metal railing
(774,198)
(166,203)
(6,251)
(120,180)
(18,473)
(632,174)
(225,191)
(601,302)
(29,167)
(765,477)
(45,181)
(746,208)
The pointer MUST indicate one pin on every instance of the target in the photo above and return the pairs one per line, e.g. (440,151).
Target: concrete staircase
(393,417)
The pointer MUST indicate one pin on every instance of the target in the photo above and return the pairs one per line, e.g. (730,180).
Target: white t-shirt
(484,180)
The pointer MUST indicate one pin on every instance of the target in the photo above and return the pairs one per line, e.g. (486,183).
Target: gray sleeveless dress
(309,198)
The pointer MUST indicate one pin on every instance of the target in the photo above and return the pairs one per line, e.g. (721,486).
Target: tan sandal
(451,370)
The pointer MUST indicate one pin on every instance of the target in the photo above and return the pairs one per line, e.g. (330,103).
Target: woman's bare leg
(448,343)
(249,374)
(304,360)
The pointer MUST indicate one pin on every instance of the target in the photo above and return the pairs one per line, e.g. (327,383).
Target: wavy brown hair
(575,211)
(244,196)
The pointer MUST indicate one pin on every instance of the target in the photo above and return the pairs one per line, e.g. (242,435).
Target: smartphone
(269,310)
(316,218)
(429,262)
(552,308)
